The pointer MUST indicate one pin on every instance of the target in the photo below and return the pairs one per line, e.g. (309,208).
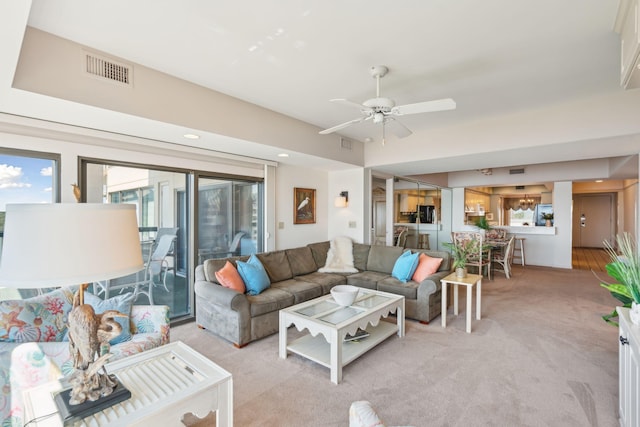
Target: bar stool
(518,250)
(423,241)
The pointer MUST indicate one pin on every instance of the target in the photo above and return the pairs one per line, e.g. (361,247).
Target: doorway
(593,219)
(380,223)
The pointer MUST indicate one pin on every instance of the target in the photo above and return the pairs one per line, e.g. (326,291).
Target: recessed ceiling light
(283,155)
(191,136)
(598,180)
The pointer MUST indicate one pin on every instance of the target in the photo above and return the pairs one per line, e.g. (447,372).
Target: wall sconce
(342,201)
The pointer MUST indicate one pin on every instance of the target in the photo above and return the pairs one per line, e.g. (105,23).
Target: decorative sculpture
(89,336)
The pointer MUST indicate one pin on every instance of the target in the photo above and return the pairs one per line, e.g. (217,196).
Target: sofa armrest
(151,319)
(431,284)
(219,295)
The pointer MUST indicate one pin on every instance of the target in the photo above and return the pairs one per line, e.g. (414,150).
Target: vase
(547,223)
(634,313)
(461,272)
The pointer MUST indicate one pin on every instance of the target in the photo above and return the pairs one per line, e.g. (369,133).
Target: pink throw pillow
(229,277)
(426,267)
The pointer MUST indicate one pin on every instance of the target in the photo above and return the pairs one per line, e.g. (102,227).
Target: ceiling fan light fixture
(382,110)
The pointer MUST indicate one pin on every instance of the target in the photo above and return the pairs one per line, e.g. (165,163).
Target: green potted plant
(459,254)
(625,269)
(483,223)
(547,216)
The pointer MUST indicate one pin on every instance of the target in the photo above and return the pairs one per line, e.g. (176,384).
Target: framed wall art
(304,205)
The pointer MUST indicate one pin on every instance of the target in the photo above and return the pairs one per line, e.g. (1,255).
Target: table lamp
(51,245)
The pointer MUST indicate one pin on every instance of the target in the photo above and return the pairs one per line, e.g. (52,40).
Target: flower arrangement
(547,215)
(625,268)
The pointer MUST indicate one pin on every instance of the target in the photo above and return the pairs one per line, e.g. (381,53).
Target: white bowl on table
(344,295)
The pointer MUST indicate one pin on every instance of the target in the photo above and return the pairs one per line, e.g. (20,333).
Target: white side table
(165,383)
(470,281)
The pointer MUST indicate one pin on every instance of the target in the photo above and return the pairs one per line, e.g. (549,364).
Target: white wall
(288,234)
(349,221)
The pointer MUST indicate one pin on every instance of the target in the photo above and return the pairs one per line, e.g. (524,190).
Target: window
(26,177)
(520,217)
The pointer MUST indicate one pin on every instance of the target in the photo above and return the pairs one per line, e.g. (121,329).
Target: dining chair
(402,238)
(504,258)
(480,254)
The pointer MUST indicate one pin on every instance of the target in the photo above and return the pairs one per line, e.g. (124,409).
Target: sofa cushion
(301,261)
(210,266)
(229,277)
(277,265)
(360,255)
(319,251)
(383,258)
(405,266)
(38,319)
(446,258)
(366,279)
(272,299)
(325,280)
(253,275)
(392,285)
(122,303)
(426,267)
(302,291)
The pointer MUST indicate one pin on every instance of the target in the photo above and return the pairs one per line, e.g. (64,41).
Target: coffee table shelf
(319,350)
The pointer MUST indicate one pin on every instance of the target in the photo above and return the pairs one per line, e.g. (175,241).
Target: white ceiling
(493,57)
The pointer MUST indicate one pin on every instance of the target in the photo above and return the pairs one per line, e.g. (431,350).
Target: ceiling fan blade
(342,126)
(351,104)
(424,107)
(396,128)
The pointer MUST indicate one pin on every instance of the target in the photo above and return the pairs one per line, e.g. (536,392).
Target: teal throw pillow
(405,266)
(254,275)
(122,303)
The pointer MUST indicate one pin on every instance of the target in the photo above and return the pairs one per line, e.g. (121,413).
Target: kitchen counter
(551,231)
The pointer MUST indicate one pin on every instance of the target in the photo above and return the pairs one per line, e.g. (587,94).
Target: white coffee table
(328,324)
(165,383)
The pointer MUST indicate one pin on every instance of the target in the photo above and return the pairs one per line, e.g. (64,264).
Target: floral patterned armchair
(33,350)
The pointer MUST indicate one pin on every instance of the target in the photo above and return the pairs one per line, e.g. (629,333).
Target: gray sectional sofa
(294,276)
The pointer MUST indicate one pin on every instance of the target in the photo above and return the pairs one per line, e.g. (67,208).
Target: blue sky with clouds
(25,180)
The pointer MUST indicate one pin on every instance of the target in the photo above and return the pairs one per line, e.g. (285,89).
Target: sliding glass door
(213,217)
(229,218)
(160,198)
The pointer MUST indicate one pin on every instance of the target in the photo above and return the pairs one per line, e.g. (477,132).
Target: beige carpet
(540,356)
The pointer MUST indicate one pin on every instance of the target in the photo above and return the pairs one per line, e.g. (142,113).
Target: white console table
(165,383)
(629,368)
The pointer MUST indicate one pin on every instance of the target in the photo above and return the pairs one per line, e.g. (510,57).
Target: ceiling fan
(384,110)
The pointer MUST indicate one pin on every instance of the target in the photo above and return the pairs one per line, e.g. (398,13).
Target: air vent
(345,144)
(108,69)
(519,187)
(516,171)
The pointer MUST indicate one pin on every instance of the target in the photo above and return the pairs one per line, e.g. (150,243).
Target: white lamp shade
(48,245)
(340,202)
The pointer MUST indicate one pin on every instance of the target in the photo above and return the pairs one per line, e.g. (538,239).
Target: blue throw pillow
(122,303)
(405,266)
(254,275)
